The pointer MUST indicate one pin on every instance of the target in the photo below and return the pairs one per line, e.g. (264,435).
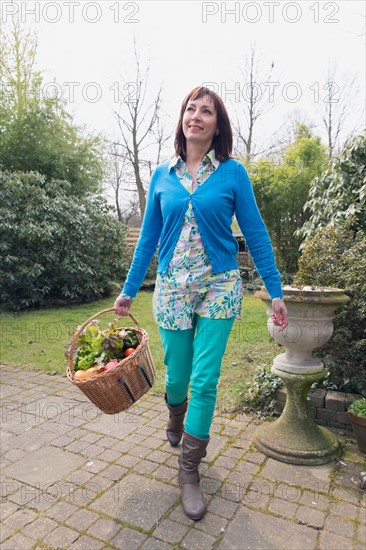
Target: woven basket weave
(115,390)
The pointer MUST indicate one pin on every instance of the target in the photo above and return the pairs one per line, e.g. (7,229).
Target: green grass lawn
(37,339)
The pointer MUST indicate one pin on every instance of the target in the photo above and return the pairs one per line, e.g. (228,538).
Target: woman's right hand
(122,306)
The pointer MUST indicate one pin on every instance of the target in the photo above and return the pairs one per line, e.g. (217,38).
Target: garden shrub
(336,257)
(340,192)
(54,245)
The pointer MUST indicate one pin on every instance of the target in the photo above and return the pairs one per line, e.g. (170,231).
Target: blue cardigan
(226,192)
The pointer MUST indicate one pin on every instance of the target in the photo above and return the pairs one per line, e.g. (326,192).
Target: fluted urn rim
(308,294)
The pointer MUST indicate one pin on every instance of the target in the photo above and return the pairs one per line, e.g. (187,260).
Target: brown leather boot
(193,450)
(174,430)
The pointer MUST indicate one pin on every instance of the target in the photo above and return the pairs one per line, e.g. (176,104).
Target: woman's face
(199,122)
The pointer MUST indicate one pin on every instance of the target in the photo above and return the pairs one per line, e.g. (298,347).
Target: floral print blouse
(189,286)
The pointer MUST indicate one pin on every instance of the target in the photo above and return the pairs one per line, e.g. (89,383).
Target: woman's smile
(200,119)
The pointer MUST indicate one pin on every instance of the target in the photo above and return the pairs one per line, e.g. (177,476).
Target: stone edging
(327,407)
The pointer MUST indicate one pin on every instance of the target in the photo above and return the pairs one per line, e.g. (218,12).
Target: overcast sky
(86,48)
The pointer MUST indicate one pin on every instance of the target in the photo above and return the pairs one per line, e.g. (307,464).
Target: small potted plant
(357,416)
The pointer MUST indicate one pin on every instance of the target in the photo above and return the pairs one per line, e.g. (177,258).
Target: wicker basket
(121,386)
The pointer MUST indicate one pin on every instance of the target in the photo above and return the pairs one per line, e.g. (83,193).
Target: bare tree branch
(256,100)
(335,104)
(139,126)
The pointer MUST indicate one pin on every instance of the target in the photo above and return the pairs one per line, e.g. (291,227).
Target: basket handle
(81,328)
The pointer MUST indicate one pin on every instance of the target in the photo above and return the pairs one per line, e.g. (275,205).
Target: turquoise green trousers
(194,356)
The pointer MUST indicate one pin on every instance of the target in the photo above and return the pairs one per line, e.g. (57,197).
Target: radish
(111,364)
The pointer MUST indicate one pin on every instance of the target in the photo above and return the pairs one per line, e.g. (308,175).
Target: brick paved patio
(73,477)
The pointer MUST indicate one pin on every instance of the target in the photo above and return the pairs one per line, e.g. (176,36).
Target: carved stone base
(294,437)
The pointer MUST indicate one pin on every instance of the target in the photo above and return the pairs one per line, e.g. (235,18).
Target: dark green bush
(54,245)
(340,191)
(336,257)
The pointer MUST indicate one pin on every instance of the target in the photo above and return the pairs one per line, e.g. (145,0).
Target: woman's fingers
(122,306)
(280,314)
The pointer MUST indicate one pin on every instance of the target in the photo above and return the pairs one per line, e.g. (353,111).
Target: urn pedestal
(294,437)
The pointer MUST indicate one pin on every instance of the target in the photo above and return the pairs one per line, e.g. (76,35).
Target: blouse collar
(208,158)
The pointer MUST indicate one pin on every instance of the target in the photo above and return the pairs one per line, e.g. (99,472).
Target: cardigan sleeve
(256,234)
(147,243)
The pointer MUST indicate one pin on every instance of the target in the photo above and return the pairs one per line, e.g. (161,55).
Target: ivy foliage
(54,245)
(261,394)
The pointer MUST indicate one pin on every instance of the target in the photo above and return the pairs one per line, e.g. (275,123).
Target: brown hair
(223,142)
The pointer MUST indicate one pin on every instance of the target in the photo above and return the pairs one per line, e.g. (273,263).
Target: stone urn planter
(294,437)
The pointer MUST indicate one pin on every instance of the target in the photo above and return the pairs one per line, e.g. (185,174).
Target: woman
(198,293)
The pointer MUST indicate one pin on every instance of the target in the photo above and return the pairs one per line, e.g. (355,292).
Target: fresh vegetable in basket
(93,352)
(88,373)
(96,348)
